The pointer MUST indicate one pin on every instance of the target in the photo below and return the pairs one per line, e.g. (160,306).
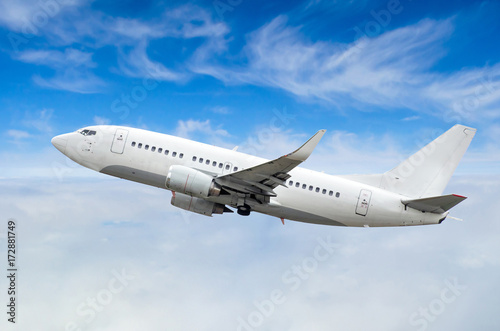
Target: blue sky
(367,67)
(383,77)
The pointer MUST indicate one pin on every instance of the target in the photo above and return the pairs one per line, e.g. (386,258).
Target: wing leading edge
(264,178)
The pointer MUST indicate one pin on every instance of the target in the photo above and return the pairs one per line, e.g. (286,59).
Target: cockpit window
(87,132)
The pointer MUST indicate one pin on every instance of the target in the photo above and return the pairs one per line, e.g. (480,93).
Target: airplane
(211,180)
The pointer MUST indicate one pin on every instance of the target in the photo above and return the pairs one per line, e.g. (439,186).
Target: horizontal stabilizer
(436,205)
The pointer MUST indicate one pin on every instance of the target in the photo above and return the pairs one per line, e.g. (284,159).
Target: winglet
(303,152)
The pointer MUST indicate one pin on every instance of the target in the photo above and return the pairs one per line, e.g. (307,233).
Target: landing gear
(244,210)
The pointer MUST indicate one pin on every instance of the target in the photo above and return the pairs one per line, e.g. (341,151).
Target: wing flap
(438,205)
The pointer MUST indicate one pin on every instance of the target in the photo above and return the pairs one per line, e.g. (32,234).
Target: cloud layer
(223,269)
(392,70)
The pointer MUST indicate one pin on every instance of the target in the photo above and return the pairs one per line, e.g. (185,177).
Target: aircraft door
(119,141)
(363,202)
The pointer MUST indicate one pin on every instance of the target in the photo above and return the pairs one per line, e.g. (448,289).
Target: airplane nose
(60,142)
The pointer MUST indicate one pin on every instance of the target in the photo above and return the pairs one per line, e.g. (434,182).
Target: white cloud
(18,134)
(223,110)
(190,21)
(98,120)
(72,80)
(29,16)
(72,69)
(214,267)
(36,124)
(82,225)
(354,154)
(391,70)
(136,63)
(184,22)
(132,37)
(411,118)
(280,56)
(185,129)
(57,59)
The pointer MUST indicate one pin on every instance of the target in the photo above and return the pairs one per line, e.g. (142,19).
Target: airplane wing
(263,178)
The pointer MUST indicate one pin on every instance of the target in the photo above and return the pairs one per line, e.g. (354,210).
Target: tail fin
(427,172)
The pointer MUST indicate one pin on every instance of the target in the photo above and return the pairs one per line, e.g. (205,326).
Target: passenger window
(181,156)
(153,149)
(133,143)
(304,186)
(337,194)
(324,191)
(166,152)
(297,184)
(160,150)
(201,160)
(174,154)
(330,193)
(207,162)
(146,147)
(317,189)
(235,168)
(140,145)
(220,165)
(227,167)
(214,163)
(194,158)
(290,183)
(310,187)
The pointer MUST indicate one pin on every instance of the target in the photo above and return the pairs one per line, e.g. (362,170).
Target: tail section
(427,172)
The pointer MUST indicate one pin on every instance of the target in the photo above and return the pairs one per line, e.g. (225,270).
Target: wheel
(244,210)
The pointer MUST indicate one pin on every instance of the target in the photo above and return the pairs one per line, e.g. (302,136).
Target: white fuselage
(311,196)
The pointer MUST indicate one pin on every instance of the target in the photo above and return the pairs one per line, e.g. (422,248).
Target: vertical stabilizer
(427,172)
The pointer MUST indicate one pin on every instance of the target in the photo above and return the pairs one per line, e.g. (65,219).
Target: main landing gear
(244,210)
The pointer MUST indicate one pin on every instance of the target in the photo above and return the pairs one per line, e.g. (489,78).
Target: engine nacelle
(191,182)
(196,205)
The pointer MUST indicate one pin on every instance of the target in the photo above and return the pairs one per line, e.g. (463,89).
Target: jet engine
(197,205)
(192,182)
